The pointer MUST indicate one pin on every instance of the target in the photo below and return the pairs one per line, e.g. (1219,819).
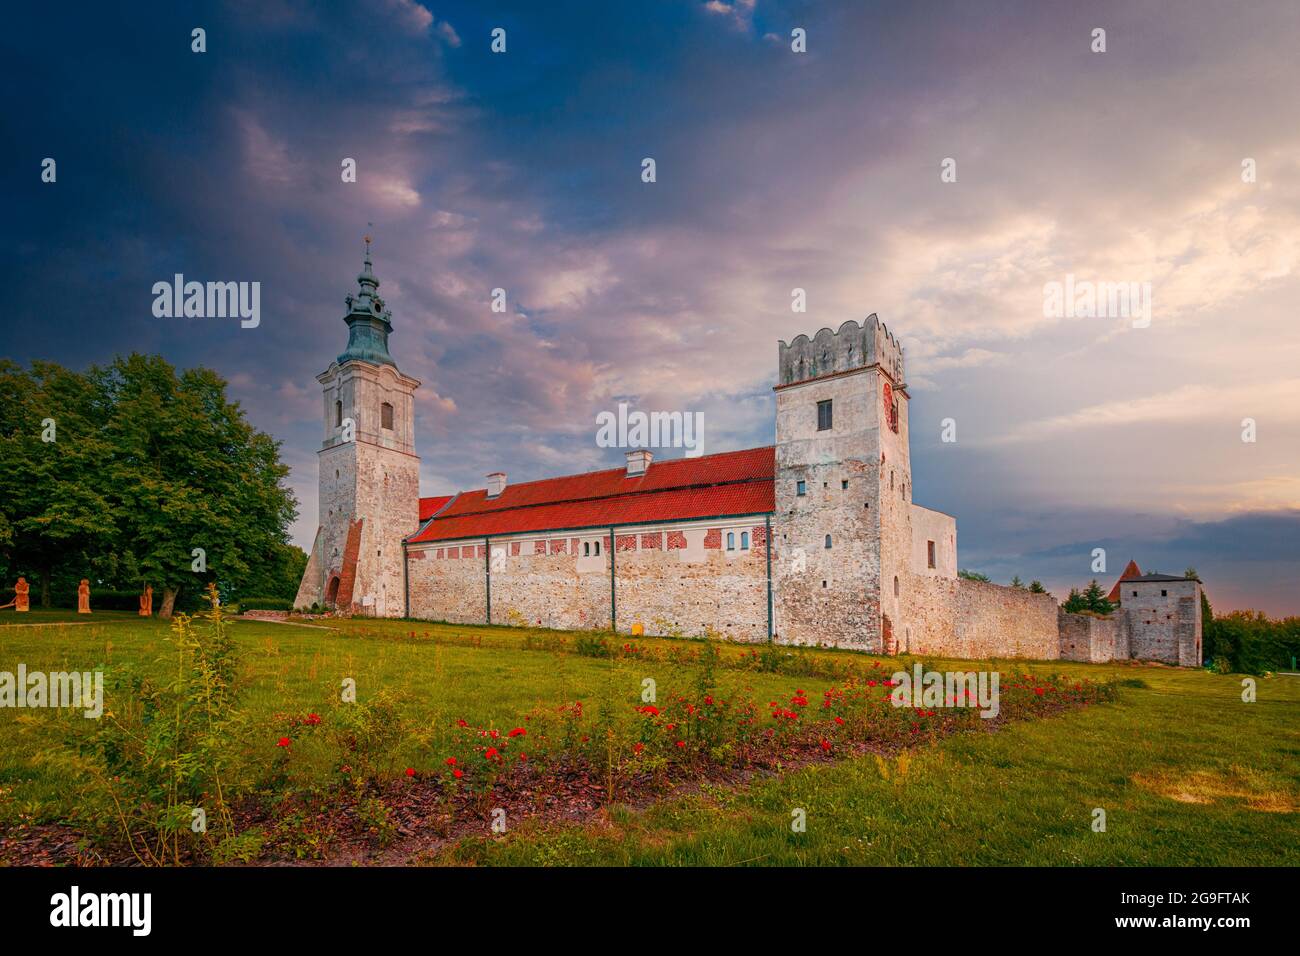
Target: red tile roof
(431,506)
(1130,572)
(712,486)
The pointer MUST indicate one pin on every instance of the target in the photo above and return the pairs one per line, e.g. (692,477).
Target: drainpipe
(613,606)
(487,572)
(406,581)
(768,523)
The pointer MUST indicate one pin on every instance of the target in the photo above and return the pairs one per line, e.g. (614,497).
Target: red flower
(410,771)
(637,748)
(650,709)
(284,742)
(491,752)
(462,723)
(312,719)
(681,743)
(517,732)
(840,721)
(826,744)
(451,761)
(1038,691)
(523,758)
(458,773)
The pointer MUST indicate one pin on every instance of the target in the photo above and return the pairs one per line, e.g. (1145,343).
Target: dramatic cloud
(775,171)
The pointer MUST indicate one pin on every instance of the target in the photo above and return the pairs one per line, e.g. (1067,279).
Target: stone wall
(955,617)
(1094,639)
(671,579)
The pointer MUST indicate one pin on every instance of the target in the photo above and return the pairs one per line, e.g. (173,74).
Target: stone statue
(21,601)
(83,597)
(146,601)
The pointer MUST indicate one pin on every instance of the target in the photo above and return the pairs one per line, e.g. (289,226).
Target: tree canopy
(121,472)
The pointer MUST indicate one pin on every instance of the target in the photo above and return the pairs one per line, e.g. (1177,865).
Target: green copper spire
(369,323)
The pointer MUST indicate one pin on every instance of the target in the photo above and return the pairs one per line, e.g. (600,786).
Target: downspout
(768,522)
(487,572)
(406,581)
(613,606)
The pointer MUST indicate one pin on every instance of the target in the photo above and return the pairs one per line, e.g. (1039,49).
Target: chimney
(496,483)
(638,462)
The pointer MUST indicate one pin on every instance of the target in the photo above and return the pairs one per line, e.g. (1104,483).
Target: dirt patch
(1253,789)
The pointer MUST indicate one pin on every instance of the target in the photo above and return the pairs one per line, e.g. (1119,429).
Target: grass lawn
(1186,773)
(57,615)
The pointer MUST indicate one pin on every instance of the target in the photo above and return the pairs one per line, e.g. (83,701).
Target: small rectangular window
(844,484)
(824,415)
(801,488)
(929,546)
(386,416)
(1164,594)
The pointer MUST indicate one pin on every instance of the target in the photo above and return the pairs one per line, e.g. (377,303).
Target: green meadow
(1184,771)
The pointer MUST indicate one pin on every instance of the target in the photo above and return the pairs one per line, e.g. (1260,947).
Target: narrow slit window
(929,546)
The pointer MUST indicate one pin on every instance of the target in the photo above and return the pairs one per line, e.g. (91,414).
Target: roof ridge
(613,497)
(607,471)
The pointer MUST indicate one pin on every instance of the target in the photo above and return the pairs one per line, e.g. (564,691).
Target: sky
(821,170)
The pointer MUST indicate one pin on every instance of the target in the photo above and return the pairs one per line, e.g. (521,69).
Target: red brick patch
(625,542)
(676,540)
(453,552)
(514,548)
(417,555)
(714,538)
(482,550)
(653,542)
(442,552)
(539,548)
(557,547)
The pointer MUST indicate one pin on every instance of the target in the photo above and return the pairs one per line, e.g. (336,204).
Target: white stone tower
(369,472)
(841,529)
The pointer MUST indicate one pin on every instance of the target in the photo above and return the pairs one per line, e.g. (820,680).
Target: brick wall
(1095,639)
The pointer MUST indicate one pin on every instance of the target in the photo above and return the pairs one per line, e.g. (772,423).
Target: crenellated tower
(369,472)
(843,484)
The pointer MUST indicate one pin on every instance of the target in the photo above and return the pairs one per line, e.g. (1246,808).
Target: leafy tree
(145,466)
(1018,584)
(189,472)
(1037,587)
(1075,602)
(972,575)
(50,450)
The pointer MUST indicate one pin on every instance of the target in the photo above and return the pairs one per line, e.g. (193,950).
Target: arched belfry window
(386,416)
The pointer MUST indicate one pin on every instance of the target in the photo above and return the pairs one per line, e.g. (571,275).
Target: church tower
(369,472)
(841,528)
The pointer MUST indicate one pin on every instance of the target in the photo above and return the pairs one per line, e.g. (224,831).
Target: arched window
(598,549)
(338,414)
(586,549)
(744,540)
(895,585)
(386,416)
(828,541)
(731,541)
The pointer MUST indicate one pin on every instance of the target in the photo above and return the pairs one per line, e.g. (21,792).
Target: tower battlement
(852,346)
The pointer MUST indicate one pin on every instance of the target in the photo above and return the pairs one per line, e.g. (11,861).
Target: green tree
(1075,602)
(1094,599)
(1037,587)
(972,575)
(1018,584)
(50,452)
(189,472)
